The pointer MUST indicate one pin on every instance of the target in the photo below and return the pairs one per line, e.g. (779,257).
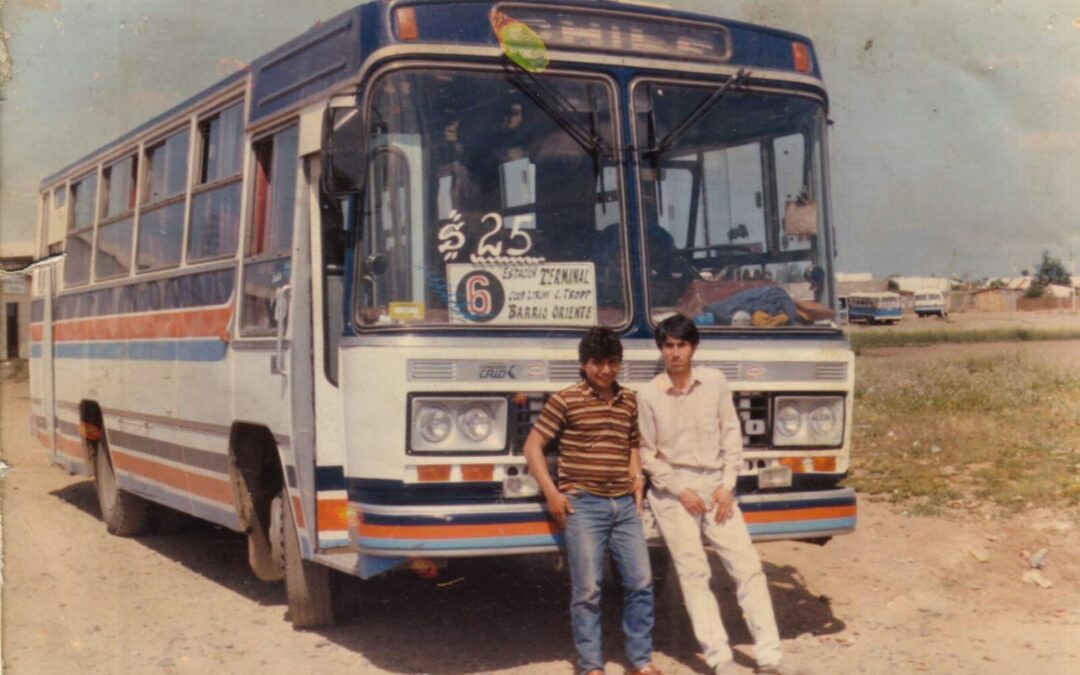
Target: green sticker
(520,43)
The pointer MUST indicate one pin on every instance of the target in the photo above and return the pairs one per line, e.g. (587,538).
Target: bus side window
(112,257)
(215,203)
(80,236)
(269,242)
(161,213)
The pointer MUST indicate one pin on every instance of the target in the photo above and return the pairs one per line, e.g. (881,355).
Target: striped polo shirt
(595,438)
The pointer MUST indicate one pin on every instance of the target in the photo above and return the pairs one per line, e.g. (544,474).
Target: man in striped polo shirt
(598,499)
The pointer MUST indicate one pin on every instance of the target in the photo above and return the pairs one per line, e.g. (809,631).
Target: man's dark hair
(599,343)
(678,327)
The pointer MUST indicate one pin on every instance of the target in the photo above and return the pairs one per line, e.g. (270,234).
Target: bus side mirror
(343,147)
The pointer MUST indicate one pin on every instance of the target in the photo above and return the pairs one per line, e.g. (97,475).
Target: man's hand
(692,502)
(723,500)
(558,506)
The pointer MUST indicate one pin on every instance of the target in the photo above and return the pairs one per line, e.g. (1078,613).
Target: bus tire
(125,514)
(307,584)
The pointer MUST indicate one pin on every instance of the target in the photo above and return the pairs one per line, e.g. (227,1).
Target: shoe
(727,668)
(647,669)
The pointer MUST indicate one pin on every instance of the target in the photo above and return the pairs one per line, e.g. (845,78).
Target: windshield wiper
(705,106)
(563,112)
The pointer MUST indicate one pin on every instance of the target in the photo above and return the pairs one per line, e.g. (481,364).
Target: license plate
(774,477)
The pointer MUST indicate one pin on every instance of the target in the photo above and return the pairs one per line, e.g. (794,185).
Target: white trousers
(683,535)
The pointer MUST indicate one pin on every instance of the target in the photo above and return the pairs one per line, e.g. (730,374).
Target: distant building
(999,299)
(15,303)
(1057,291)
(845,277)
(1012,283)
(913,284)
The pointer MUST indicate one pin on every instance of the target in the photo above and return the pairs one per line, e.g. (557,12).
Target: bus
(874,307)
(321,302)
(930,302)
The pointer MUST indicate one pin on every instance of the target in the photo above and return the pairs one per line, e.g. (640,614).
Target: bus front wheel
(307,584)
(125,514)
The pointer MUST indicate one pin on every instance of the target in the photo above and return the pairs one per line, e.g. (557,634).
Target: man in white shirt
(691,448)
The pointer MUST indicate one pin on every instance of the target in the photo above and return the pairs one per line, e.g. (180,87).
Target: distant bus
(930,303)
(874,307)
(322,302)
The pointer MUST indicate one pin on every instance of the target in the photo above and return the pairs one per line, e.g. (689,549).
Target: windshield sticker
(494,246)
(520,43)
(524,294)
(406,311)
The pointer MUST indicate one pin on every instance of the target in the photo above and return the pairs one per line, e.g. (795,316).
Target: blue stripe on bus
(455,544)
(329,478)
(802,526)
(143,350)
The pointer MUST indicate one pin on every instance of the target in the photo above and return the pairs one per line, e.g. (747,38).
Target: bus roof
(332,51)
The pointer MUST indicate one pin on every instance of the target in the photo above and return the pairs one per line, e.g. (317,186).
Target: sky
(955,147)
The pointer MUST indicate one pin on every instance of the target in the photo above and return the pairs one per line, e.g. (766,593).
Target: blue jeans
(597,525)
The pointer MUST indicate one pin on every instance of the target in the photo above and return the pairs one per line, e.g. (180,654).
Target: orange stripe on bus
(818,513)
(43,438)
(72,448)
(36,332)
(332,514)
(454,531)
(203,486)
(188,323)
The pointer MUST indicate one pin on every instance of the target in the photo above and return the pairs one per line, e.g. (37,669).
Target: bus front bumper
(458,530)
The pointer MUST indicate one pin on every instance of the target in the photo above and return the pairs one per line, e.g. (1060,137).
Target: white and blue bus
(322,302)
(874,307)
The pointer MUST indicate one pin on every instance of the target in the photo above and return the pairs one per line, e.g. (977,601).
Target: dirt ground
(904,594)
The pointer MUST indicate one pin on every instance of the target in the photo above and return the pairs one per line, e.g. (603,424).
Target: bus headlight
(433,422)
(476,422)
(788,420)
(822,421)
(442,424)
(808,421)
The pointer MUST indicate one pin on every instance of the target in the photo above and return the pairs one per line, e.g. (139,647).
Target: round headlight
(788,420)
(476,422)
(434,423)
(822,420)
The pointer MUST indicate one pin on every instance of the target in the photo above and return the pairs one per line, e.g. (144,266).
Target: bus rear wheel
(125,514)
(307,584)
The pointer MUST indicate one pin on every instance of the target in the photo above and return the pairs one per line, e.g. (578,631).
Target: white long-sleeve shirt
(697,428)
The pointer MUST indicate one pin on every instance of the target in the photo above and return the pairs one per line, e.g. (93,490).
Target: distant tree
(893,286)
(1051,271)
(1034,291)
(997,283)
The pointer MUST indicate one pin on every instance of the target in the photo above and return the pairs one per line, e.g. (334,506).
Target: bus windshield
(733,205)
(491,200)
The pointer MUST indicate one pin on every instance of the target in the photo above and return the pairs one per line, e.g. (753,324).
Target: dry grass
(989,434)
(864,340)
